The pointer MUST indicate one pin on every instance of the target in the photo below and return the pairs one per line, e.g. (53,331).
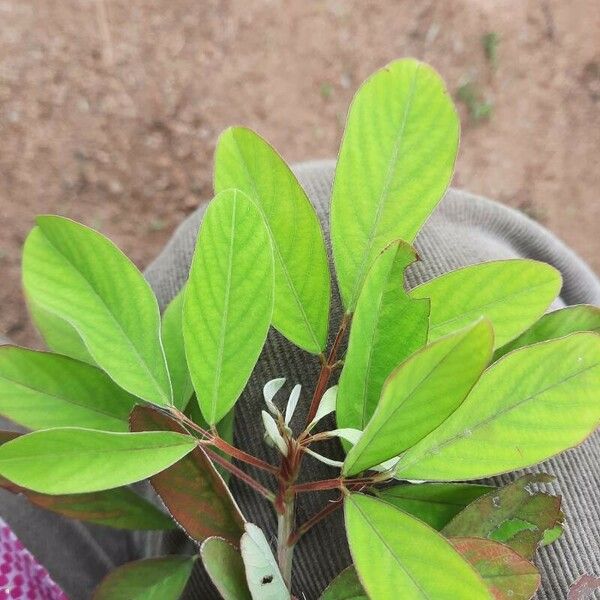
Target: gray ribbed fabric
(465,229)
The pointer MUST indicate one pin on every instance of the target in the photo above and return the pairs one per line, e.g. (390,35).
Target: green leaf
(119,508)
(76,461)
(228,302)
(172,339)
(346,586)
(395,163)
(60,336)
(161,578)
(558,323)
(40,390)
(262,573)
(433,503)
(508,575)
(225,567)
(397,556)
(528,406)
(514,515)
(191,489)
(512,294)
(387,327)
(245,161)
(420,394)
(81,277)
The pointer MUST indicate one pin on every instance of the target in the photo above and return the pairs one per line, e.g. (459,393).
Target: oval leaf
(228,302)
(433,503)
(245,161)
(161,578)
(74,461)
(172,337)
(512,294)
(225,567)
(81,277)
(262,573)
(39,390)
(346,586)
(514,515)
(556,324)
(192,490)
(528,406)
(420,394)
(387,327)
(508,575)
(395,163)
(397,556)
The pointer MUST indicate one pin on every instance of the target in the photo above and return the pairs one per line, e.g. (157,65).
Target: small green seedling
(478,107)
(459,379)
(490,42)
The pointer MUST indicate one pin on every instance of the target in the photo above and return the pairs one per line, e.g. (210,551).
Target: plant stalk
(285,551)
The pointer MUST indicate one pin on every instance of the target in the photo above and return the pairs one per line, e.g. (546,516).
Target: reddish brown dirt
(110,109)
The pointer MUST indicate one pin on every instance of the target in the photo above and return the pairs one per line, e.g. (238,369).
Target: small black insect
(267,579)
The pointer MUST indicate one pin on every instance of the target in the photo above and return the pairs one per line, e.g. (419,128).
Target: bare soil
(110,109)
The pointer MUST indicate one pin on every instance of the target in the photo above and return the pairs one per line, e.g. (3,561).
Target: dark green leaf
(433,503)
(387,327)
(515,515)
(225,567)
(161,578)
(191,489)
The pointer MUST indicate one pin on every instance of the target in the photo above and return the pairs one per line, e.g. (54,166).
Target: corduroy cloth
(464,230)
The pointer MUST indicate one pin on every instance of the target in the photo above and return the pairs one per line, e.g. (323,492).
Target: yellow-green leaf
(40,390)
(420,394)
(245,161)
(398,556)
(77,461)
(387,327)
(228,302)
(512,294)
(395,163)
(530,405)
(79,276)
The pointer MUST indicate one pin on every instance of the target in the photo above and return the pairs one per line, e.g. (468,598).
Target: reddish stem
(221,444)
(226,447)
(316,518)
(326,370)
(261,489)
(330,484)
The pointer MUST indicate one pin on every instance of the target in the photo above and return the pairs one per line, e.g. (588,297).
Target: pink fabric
(21,576)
